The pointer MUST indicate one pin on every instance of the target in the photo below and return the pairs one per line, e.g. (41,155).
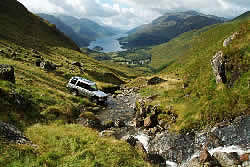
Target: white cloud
(131,13)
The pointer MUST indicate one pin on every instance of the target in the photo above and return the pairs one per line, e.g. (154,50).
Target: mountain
(42,60)
(243,16)
(86,28)
(80,41)
(167,27)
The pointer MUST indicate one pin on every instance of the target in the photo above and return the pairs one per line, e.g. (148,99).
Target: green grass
(69,145)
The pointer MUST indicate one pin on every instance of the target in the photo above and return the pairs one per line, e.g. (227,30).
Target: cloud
(131,13)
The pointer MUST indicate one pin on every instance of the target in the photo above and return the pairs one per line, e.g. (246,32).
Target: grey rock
(12,134)
(7,73)
(230,39)
(227,159)
(218,66)
(180,147)
(46,65)
(107,133)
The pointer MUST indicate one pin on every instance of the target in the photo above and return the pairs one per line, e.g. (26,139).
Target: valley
(178,91)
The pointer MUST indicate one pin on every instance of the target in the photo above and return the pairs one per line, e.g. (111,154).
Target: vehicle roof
(84,80)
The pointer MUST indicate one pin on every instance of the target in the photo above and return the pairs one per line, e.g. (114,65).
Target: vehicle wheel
(75,92)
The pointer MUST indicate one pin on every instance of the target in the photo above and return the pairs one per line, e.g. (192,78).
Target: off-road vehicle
(84,87)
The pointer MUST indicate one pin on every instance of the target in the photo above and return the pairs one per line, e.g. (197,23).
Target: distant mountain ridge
(82,30)
(80,41)
(87,28)
(167,27)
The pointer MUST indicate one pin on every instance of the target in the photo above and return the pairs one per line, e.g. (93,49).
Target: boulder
(155,81)
(227,159)
(218,66)
(12,134)
(46,65)
(7,73)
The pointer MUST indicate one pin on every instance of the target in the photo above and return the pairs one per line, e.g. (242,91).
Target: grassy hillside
(39,103)
(167,27)
(191,90)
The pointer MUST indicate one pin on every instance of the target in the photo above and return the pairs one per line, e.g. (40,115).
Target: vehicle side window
(82,85)
(73,81)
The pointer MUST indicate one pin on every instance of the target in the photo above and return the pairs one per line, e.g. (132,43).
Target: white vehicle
(84,87)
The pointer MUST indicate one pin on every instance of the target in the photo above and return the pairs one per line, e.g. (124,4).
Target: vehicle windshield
(93,88)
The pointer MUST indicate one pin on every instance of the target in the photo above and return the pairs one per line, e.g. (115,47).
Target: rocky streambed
(226,144)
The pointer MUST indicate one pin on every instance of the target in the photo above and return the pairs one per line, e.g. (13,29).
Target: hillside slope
(86,28)
(191,90)
(81,42)
(39,104)
(167,27)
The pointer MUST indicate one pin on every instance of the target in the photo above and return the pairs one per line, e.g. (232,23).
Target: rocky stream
(226,144)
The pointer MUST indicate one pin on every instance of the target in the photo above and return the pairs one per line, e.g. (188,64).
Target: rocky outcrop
(12,134)
(46,65)
(230,39)
(218,65)
(180,147)
(7,73)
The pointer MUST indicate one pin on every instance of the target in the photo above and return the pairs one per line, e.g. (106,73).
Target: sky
(127,14)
